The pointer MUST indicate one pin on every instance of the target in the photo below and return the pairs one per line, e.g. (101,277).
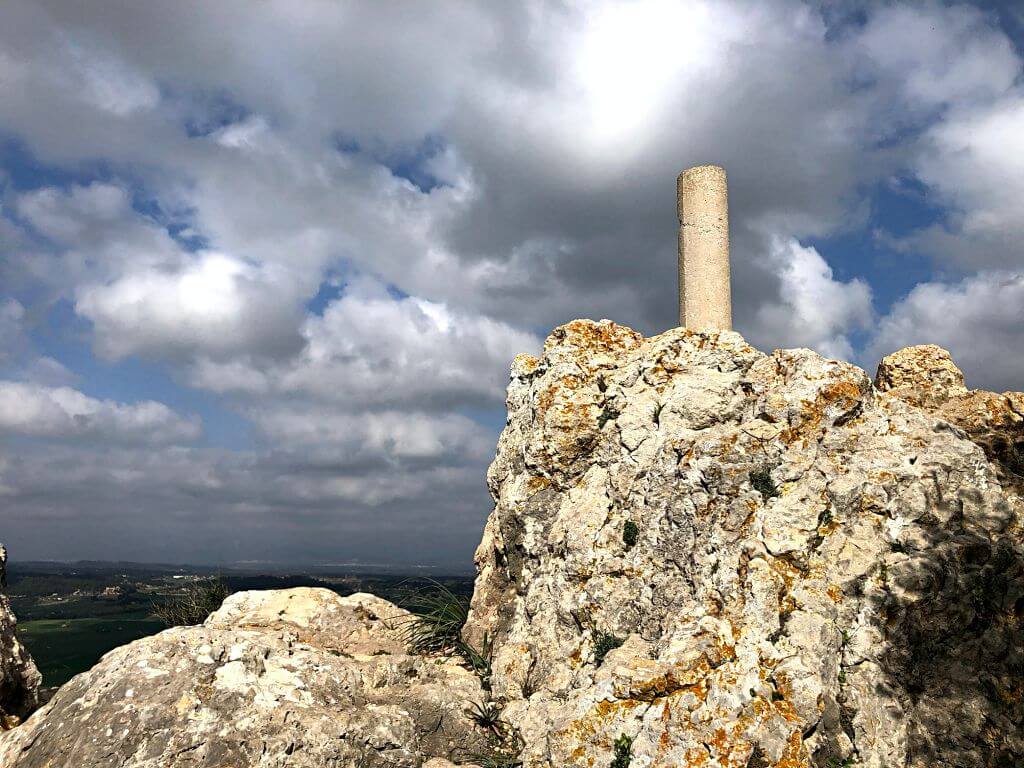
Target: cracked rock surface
(297,678)
(699,555)
(816,572)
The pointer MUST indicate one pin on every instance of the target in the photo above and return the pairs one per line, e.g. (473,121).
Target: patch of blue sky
(65,337)
(411,163)
(207,112)
(871,253)
(492,419)
(330,290)
(21,170)
(333,288)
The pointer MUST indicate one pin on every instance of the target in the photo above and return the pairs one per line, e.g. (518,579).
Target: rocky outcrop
(700,555)
(19,679)
(800,569)
(297,677)
(927,377)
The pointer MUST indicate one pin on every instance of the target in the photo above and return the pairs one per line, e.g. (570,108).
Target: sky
(264,266)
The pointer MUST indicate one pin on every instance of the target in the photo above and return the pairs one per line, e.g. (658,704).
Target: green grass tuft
(623,752)
(761,480)
(438,617)
(630,531)
(199,599)
(604,643)
(436,627)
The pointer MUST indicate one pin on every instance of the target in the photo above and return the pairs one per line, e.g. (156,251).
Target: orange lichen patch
(536,484)
(835,592)
(785,570)
(1012,695)
(689,676)
(600,724)
(844,392)
(843,389)
(728,748)
(589,336)
(524,364)
(795,755)
(696,757)
(788,712)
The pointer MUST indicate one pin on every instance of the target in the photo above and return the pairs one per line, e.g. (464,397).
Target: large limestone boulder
(297,678)
(800,569)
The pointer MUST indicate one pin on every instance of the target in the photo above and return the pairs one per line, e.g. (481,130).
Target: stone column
(705,299)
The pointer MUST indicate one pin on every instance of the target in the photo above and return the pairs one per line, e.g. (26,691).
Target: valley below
(70,614)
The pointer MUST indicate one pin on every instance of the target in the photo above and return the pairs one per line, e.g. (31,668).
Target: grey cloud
(556,131)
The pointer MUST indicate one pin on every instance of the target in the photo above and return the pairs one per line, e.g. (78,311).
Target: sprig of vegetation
(761,480)
(438,617)
(623,752)
(436,627)
(604,643)
(608,414)
(198,600)
(486,715)
(503,751)
(630,532)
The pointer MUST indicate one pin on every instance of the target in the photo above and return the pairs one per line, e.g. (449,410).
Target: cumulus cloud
(973,162)
(815,310)
(62,412)
(212,304)
(371,348)
(980,320)
(462,178)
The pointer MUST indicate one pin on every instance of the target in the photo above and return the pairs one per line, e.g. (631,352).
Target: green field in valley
(64,647)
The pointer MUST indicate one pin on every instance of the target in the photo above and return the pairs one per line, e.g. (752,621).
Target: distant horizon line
(249,564)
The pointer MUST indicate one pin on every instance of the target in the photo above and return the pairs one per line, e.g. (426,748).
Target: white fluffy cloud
(974,161)
(371,348)
(212,305)
(815,310)
(62,412)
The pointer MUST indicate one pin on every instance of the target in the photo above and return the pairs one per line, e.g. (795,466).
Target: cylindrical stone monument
(705,299)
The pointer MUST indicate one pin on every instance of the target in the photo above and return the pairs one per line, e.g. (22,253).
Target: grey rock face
(19,678)
(296,678)
(699,555)
(815,572)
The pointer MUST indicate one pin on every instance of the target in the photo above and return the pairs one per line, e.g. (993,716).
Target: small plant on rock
(486,715)
(438,617)
(623,752)
(604,643)
(608,414)
(761,480)
(630,532)
(436,627)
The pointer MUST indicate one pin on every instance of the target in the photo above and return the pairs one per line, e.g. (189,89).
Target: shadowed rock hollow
(726,557)
(19,678)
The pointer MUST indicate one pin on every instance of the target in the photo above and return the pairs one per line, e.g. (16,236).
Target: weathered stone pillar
(705,299)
